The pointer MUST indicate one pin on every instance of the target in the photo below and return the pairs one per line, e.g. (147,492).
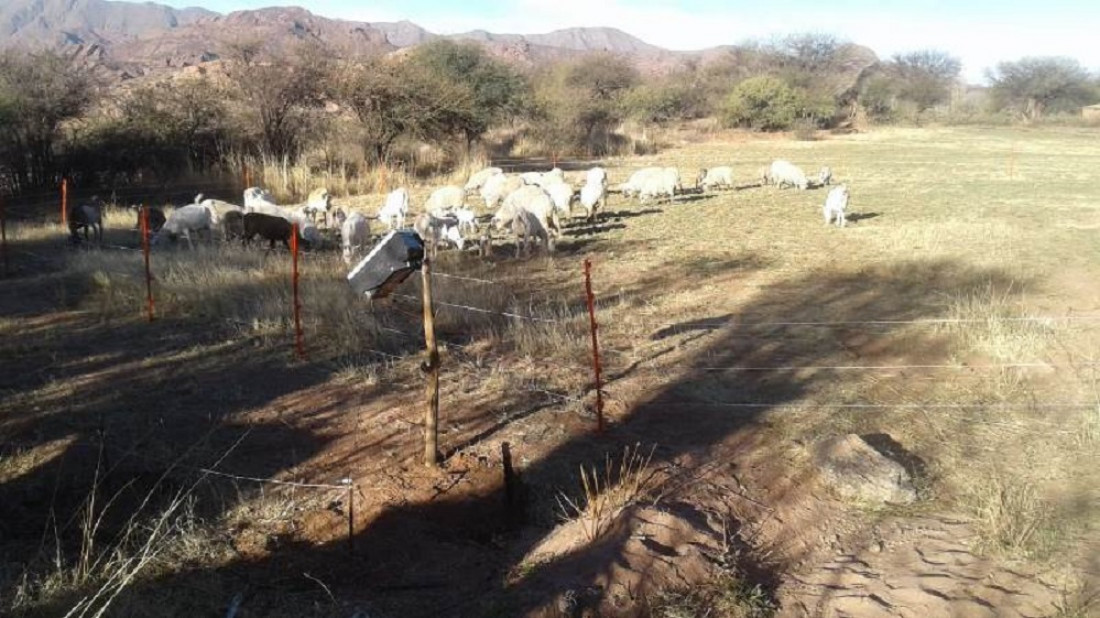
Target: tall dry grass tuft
(992,324)
(158,530)
(604,497)
(1012,518)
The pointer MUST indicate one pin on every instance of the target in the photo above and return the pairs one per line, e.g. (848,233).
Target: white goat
(633,185)
(784,173)
(825,176)
(498,187)
(467,220)
(528,228)
(593,195)
(307,230)
(554,176)
(185,220)
(715,177)
(396,208)
(596,176)
(256,199)
(478,178)
(445,199)
(354,236)
(219,208)
(563,196)
(836,203)
(535,201)
(661,184)
(436,230)
(319,203)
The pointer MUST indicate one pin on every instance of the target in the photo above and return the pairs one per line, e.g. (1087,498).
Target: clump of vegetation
(605,496)
(727,596)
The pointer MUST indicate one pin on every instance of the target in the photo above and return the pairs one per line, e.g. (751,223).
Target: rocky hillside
(126,39)
(132,39)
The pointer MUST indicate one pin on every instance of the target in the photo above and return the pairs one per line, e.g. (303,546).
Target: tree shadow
(458,554)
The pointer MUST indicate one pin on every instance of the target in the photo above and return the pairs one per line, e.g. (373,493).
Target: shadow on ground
(444,555)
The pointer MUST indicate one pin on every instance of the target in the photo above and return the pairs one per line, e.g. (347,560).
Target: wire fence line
(464,278)
(953,367)
(473,309)
(1074,405)
(879,322)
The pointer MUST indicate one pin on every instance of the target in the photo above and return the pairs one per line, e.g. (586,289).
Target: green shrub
(768,103)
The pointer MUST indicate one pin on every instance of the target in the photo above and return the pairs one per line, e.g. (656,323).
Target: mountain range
(128,39)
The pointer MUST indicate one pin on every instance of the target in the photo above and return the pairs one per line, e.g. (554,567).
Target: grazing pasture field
(193,466)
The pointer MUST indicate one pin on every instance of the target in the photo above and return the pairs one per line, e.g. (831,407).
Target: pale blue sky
(980,32)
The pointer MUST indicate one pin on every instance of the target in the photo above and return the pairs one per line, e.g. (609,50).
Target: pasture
(192,465)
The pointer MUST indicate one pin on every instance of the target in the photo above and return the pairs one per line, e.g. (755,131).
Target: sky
(979,32)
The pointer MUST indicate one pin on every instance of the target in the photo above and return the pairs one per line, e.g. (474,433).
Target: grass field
(957,318)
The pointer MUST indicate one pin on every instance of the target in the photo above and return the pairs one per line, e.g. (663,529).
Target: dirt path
(919,567)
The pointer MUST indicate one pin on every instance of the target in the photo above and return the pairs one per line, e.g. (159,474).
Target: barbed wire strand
(988,366)
(484,311)
(922,321)
(464,278)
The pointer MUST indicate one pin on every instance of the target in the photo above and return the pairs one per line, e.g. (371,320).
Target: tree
(280,93)
(1036,85)
(40,92)
(601,76)
(598,81)
(497,91)
(189,115)
(768,103)
(809,52)
(394,98)
(925,77)
(878,97)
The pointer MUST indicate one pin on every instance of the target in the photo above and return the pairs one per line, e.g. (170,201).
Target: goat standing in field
(85,216)
(836,203)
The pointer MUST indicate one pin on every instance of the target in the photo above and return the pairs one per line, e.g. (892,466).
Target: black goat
(268,227)
(156,218)
(233,224)
(85,216)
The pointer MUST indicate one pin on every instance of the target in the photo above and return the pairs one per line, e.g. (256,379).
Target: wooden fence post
(64,201)
(431,368)
(299,342)
(595,343)
(145,250)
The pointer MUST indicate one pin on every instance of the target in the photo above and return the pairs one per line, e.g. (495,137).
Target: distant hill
(127,39)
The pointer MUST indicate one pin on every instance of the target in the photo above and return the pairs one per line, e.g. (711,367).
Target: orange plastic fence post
(148,274)
(595,343)
(299,342)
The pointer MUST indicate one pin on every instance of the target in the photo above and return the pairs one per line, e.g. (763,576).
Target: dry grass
(1012,517)
(942,227)
(605,496)
(725,597)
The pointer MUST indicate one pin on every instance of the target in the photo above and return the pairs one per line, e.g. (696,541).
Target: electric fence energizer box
(388,264)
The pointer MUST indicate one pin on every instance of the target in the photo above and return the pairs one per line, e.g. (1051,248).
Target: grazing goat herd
(529,206)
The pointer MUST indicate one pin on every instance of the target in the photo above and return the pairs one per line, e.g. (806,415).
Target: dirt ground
(737,331)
